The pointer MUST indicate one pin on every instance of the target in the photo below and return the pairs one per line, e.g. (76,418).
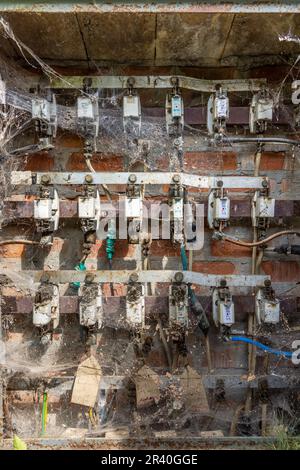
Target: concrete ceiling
(162,39)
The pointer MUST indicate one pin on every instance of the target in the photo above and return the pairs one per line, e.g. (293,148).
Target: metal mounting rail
(123,277)
(152,81)
(155,178)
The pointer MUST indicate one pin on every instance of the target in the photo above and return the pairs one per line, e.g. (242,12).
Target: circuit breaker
(176,194)
(133,209)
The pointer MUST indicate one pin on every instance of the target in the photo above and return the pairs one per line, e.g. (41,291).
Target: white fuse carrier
(222,208)
(133,207)
(267,310)
(262,207)
(218,209)
(135,305)
(90,305)
(178,309)
(223,309)
(47,209)
(261,112)
(176,106)
(89,208)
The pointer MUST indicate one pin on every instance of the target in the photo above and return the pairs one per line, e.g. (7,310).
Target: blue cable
(277,352)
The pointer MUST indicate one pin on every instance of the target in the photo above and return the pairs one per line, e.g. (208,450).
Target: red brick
(13,250)
(164,248)
(69,141)
(272,161)
(100,162)
(41,161)
(226,249)
(210,161)
(214,267)
(282,271)
(123,249)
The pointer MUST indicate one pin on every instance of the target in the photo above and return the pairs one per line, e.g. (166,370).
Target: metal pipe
(261,140)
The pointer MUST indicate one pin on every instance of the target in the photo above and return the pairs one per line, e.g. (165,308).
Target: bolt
(176,179)
(134,277)
(45,278)
(45,179)
(132,178)
(267,283)
(178,277)
(223,283)
(264,184)
(220,183)
(88,179)
(89,278)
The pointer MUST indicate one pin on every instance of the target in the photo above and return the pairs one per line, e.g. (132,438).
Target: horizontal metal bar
(154,178)
(152,81)
(207,280)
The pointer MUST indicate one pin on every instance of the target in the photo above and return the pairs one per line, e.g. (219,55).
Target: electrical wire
(261,242)
(23,242)
(264,347)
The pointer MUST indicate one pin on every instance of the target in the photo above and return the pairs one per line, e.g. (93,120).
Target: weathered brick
(214,267)
(282,271)
(41,161)
(227,249)
(13,250)
(69,141)
(209,161)
(164,248)
(100,162)
(272,161)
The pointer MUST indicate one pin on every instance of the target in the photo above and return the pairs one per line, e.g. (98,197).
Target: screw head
(220,183)
(178,277)
(45,179)
(88,179)
(264,184)
(176,179)
(133,277)
(132,178)
(89,278)
(267,283)
(223,283)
